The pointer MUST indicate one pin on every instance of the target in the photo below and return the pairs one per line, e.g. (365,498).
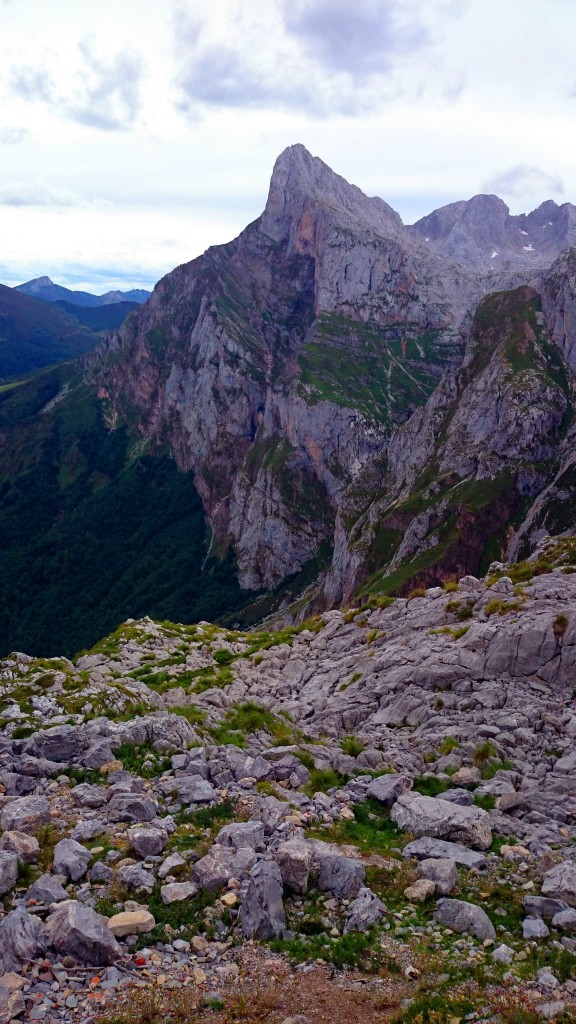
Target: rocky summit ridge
(389,789)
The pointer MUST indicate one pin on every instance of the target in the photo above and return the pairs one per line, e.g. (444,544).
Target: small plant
(323,779)
(484,752)
(486,801)
(497,606)
(560,624)
(449,744)
(352,745)
(416,592)
(450,586)
(370,636)
(429,785)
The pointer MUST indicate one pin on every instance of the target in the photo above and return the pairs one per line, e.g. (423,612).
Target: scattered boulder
(26,848)
(465,917)
(8,871)
(364,912)
(425,848)
(387,788)
(131,807)
(560,882)
(342,876)
(242,834)
(222,863)
(262,912)
(76,930)
(175,892)
(131,922)
(295,860)
(534,928)
(22,938)
(71,859)
(432,817)
(441,871)
(136,877)
(47,889)
(147,842)
(25,814)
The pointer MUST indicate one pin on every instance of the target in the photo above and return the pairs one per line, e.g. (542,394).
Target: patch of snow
(550,223)
(426,239)
(528,248)
(493,255)
(523,232)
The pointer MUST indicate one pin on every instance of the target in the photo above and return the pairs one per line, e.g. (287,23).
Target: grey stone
(77,930)
(47,889)
(135,877)
(26,848)
(364,912)
(560,882)
(171,864)
(25,814)
(12,1004)
(131,807)
(543,906)
(189,789)
(222,863)
(8,871)
(175,892)
(465,917)
(262,911)
(565,920)
(101,873)
(534,928)
(442,872)
(503,954)
(387,788)
(432,817)
(71,859)
(342,876)
(22,938)
(86,795)
(147,842)
(295,860)
(242,834)
(439,848)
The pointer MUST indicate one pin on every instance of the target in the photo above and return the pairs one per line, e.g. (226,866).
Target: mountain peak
(300,179)
(38,282)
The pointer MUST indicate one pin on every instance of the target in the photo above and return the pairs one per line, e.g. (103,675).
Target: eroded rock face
(262,914)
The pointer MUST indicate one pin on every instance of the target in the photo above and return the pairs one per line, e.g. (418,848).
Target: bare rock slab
(466,918)
(76,930)
(440,819)
(262,912)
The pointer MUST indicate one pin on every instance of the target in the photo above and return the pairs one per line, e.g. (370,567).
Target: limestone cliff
(327,380)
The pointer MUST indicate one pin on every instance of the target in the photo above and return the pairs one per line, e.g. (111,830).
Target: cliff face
(324,379)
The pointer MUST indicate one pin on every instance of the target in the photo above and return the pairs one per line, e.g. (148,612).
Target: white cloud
(104,92)
(524,180)
(11,135)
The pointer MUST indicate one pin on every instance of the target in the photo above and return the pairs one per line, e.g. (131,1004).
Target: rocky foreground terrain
(387,793)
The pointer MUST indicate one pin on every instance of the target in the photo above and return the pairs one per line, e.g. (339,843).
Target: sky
(136,133)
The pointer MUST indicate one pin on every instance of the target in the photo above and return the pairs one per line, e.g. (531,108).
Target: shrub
(352,745)
(450,585)
(449,744)
(416,592)
(484,752)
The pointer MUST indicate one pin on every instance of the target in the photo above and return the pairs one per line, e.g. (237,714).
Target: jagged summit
(298,178)
(481,233)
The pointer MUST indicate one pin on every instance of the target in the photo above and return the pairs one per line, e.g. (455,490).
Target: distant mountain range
(44,288)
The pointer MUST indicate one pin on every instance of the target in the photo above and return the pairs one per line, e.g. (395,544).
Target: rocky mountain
(354,404)
(481,234)
(375,806)
(44,288)
(341,383)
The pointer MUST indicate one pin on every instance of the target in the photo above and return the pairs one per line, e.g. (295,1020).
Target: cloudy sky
(136,133)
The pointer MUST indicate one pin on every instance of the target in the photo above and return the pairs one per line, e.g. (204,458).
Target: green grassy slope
(34,334)
(93,529)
